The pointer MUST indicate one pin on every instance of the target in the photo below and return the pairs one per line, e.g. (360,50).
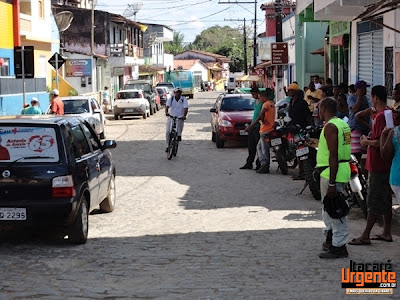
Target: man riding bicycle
(176,106)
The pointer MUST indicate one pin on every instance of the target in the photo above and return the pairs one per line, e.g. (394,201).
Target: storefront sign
(79,68)
(337,40)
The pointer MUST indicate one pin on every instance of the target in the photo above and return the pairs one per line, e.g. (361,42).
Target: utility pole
(244,43)
(255,25)
(92,49)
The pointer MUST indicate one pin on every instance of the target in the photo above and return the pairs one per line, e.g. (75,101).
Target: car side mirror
(213,110)
(96,111)
(109,144)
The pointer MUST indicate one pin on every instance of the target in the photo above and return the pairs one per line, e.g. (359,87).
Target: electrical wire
(193,21)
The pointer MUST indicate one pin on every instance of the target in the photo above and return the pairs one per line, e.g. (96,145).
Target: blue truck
(183,79)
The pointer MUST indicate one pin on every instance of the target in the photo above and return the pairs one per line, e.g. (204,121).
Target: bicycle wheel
(170,151)
(176,143)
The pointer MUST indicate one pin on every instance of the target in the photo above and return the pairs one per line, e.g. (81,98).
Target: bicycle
(173,139)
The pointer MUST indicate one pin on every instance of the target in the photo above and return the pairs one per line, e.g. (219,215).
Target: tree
(225,41)
(176,46)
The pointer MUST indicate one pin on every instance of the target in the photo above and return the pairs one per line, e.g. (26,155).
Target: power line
(201,17)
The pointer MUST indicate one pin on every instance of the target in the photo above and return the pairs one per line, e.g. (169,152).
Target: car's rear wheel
(108,204)
(78,232)
(145,115)
(116,117)
(151,110)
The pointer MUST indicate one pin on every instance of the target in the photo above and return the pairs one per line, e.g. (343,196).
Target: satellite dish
(132,10)
(64,20)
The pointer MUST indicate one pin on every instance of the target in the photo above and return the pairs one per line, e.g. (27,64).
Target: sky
(190,17)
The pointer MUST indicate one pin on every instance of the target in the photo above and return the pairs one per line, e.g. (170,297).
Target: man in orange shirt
(57,106)
(267,121)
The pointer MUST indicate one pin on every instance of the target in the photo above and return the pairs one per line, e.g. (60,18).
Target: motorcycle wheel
(312,183)
(281,162)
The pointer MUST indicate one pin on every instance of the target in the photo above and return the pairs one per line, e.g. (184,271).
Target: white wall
(201,68)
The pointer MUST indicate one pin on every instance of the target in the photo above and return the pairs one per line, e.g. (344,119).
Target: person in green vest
(254,133)
(334,151)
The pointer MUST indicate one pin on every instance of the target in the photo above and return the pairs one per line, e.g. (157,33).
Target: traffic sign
(56,61)
(24,66)
(279,54)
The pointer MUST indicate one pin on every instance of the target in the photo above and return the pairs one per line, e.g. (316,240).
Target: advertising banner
(79,68)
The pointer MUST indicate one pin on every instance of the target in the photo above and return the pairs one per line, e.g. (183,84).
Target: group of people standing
(56,105)
(353,124)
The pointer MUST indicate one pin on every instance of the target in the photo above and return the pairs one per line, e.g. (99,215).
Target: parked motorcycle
(357,187)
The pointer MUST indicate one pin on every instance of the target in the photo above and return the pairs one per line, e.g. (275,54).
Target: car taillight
(140,96)
(63,187)
(353,168)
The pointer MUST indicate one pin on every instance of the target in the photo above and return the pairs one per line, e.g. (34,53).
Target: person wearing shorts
(379,199)
(106,101)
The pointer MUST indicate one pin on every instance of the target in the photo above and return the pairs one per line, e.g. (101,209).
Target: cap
(55,92)
(34,99)
(254,90)
(397,87)
(360,84)
(293,86)
(177,89)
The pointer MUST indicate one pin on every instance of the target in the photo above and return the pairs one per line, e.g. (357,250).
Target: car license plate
(242,132)
(15,214)
(302,151)
(276,142)
(129,110)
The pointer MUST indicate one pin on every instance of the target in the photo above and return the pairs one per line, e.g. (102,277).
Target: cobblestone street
(194,227)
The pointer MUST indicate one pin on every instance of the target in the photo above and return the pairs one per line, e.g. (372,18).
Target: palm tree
(176,46)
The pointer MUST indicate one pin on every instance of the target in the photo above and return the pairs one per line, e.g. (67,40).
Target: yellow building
(7,39)
(38,29)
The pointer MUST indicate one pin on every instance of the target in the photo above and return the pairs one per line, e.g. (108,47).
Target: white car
(88,108)
(131,103)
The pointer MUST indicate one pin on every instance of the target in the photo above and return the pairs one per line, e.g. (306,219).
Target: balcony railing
(26,23)
(122,50)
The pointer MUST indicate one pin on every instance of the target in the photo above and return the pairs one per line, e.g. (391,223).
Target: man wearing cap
(176,106)
(57,106)
(254,133)
(34,109)
(396,96)
(357,103)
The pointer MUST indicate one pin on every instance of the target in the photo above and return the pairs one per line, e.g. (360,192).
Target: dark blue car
(53,171)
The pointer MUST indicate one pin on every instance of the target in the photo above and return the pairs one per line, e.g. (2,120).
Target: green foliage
(72,93)
(176,46)
(225,41)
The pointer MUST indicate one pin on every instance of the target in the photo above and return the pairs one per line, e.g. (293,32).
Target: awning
(263,65)
(378,9)
(249,78)
(337,40)
(319,51)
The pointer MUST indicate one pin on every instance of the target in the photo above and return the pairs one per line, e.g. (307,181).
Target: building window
(25,7)
(41,8)
(389,70)
(4,66)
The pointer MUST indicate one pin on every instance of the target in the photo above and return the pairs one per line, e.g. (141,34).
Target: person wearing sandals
(379,199)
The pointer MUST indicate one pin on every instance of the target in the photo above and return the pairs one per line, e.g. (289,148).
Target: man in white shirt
(176,106)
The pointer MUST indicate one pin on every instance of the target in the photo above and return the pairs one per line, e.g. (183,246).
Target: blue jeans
(339,227)
(263,150)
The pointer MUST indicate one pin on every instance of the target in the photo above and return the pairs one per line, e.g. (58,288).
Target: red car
(230,115)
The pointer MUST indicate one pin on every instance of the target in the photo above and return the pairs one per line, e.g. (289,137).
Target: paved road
(195,227)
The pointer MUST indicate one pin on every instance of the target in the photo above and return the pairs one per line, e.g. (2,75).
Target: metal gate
(370,57)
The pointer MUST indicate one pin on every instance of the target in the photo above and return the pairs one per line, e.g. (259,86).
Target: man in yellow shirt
(313,96)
